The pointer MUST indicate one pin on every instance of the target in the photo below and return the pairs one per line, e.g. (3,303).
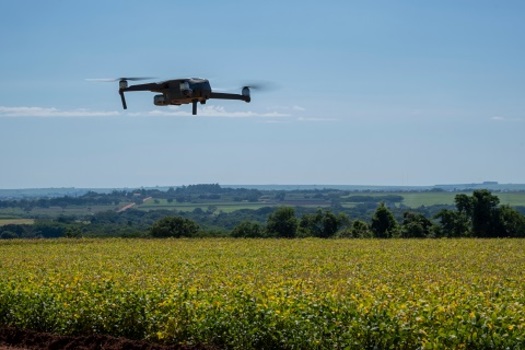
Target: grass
(4,222)
(188,206)
(410,199)
(54,212)
(415,200)
(287,294)
(418,199)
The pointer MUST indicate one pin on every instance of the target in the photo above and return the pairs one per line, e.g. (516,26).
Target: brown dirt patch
(19,339)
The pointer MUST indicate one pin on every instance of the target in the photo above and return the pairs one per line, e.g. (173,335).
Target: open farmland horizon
(222,211)
(79,191)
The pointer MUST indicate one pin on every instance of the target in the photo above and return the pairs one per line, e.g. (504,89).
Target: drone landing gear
(123,99)
(194,107)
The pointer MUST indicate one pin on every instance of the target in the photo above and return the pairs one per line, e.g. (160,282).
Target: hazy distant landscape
(72,191)
(224,210)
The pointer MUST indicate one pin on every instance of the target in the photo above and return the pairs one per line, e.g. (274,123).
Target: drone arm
(226,96)
(143,87)
(138,87)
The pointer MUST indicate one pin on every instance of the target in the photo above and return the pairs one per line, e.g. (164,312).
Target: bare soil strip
(18,339)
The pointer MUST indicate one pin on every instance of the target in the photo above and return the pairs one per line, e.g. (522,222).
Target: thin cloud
(170,111)
(500,118)
(316,119)
(208,111)
(47,112)
(294,108)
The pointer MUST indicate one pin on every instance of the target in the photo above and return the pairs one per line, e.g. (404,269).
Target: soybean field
(270,294)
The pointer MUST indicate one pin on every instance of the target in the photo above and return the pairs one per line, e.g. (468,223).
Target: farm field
(16,221)
(253,294)
(225,206)
(54,212)
(418,199)
(415,200)
(410,199)
(228,204)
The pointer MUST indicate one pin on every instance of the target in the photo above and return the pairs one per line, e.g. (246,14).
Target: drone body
(180,91)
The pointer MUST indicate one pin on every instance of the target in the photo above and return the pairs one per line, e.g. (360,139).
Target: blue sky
(368,92)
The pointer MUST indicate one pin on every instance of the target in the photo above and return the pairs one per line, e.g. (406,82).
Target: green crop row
(268,294)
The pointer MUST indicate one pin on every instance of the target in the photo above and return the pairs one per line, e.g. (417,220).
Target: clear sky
(390,92)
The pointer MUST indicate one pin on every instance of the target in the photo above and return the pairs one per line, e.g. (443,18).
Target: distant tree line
(179,194)
(478,215)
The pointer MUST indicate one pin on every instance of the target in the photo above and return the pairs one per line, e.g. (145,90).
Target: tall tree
(484,214)
(282,222)
(360,229)
(384,225)
(464,204)
(511,223)
(453,224)
(415,225)
(480,215)
(330,224)
(309,225)
(248,229)
(322,224)
(174,226)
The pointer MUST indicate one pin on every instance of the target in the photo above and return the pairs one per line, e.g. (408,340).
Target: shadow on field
(17,339)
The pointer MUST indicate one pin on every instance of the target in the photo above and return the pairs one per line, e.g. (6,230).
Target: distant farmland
(227,203)
(4,222)
(418,199)
(411,200)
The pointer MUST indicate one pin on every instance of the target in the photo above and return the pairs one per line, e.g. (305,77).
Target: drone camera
(160,100)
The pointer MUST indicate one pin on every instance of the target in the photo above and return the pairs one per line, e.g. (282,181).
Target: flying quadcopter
(179,91)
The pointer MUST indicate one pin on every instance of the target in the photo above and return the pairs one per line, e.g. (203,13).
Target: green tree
(282,223)
(511,223)
(330,224)
(309,225)
(8,235)
(322,224)
(415,225)
(480,215)
(73,232)
(174,226)
(383,225)
(248,229)
(464,204)
(484,214)
(358,229)
(452,224)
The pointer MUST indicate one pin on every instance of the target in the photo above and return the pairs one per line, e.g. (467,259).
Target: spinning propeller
(123,84)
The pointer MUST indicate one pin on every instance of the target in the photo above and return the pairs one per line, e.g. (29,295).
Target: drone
(178,91)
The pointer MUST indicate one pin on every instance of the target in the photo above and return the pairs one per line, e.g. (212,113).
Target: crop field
(268,294)
(4,221)
(53,212)
(415,200)
(418,199)
(410,199)
(225,206)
